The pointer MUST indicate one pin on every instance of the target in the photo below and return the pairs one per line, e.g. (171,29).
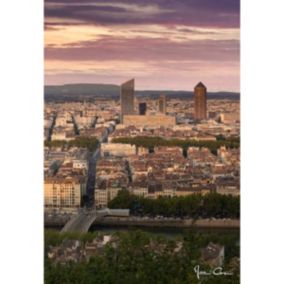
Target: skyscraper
(162,104)
(200,102)
(127,98)
(142,108)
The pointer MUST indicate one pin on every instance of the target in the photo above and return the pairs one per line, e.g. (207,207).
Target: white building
(80,164)
(117,149)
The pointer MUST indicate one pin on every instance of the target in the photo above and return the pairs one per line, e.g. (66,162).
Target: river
(169,233)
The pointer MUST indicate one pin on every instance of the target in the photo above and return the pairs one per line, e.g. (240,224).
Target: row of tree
(91,143)
(151,142)
(144,258)
(193,206)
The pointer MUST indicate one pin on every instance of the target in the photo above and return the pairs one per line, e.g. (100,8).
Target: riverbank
(151,222)
(170,223)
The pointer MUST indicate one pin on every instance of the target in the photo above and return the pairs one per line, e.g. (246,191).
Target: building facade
(64,193)
(142,108)
(117,149)
(149,120)
(162,104)
(127,98)
(200,102)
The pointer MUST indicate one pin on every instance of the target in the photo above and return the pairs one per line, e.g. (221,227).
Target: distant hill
(82,89)
(79,92)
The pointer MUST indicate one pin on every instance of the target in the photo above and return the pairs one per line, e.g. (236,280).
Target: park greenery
(91,143)
(195,206)
(144,258)
(151,142)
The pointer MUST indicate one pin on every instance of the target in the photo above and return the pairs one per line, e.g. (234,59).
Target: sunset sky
(163,44)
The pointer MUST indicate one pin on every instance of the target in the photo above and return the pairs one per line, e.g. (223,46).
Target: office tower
(162,104)
(142,108)
(127,98)
(200,102)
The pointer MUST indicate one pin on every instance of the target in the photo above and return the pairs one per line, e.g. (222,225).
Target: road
(84,219)
(81,222)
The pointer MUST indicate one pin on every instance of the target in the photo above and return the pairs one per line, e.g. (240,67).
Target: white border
(21,65)
(262,147)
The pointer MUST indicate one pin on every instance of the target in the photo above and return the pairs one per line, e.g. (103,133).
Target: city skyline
(164,44)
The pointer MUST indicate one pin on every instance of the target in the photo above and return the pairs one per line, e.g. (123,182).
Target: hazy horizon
(155,90)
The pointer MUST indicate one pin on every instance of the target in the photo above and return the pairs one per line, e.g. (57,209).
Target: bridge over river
(85,218)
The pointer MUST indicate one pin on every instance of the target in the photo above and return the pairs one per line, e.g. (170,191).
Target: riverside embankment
(156,222)
(170,223)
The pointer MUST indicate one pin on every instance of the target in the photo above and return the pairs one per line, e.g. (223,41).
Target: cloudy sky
(163,44)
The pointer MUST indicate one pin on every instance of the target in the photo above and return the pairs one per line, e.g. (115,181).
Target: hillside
(80,92)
